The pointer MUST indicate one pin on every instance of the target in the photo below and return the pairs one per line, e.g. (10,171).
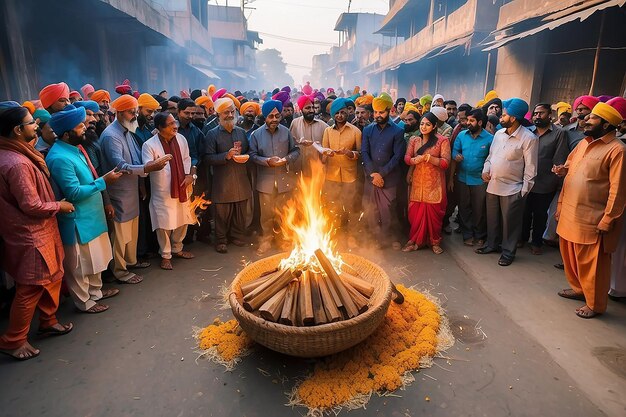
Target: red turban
(124,87)
(75,93)
(100,95)
(307,89)
(589,101)
(619,104)
(250,104)
(125,102)
(52,93)
(303,100)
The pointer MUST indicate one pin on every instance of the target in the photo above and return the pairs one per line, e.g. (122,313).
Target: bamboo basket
(320,340)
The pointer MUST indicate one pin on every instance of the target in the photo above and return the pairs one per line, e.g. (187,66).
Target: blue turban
(67,119)
(42,115)
(515,107)
(88,105)
(270,105)
(338,104)
(6,105)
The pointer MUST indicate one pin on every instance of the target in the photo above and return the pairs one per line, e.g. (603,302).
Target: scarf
(176,169)
(28,151)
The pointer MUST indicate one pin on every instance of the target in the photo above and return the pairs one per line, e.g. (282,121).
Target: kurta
(340,168)
(33,253)
(166,212)
(310,131)
(263,145)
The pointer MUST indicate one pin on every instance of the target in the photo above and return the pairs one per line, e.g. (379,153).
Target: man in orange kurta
(590,208)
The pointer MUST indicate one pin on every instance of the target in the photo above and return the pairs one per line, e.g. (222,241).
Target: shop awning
(206,71)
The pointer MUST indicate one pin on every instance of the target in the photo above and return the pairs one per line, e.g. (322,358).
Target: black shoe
(505,261)
(485,250)
(559,266)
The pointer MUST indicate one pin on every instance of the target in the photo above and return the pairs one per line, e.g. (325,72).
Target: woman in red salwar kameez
(429,153)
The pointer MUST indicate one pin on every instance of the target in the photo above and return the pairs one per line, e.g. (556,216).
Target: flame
(306,224)
(199,204)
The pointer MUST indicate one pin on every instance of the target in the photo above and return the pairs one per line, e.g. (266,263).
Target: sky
(312,21)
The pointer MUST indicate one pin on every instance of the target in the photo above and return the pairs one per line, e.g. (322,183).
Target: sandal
(571,294)
(221,248)
(97,308)
(135,279)
(409,247)
(166,264)
(586,313)
(22,353)
(111,292)
(184,255)
(437,250)
(53,331)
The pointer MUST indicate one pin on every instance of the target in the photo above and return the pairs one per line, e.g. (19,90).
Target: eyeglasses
(32,122)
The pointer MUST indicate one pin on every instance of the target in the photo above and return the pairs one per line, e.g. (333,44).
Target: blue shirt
(194,136)
(382,151)
(144,133)
(75,183)
(474,151)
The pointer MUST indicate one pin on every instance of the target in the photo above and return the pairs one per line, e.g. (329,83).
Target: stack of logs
(307,298)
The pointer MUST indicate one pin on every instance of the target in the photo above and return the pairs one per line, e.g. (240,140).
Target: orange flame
(199,204)
(306,224)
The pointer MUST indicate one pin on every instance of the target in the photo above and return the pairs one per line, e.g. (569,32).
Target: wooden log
(359,299)
(271,309)
(332,311)
(287,315)
(318,307)
(305,301)
(265,291)
(255,283)
(350,269)
(359,284)
(333,292)
(348,304)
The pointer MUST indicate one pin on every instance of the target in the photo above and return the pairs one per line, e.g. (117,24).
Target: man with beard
(169,202)
(590,208)
(55,97)
(307,132)
(470,151)
(199,117)
(510,171)
(46,136)
(552,151)
(231,188)
(493,110)
(32,250)
(207,107)
(84,232)
(287,115)
(249,111)
(575,130)
(563,113)
(450,106)
(382,149)
(411,124)
(147,106)
(274,151)
(103,98)
(92,142)
(120,150)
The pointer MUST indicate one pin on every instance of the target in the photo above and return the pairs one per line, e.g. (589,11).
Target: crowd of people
(91,184)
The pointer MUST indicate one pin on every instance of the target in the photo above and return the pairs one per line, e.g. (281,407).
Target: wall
(519,71)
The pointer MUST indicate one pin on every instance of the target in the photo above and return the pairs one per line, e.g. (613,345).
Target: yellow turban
(608,113)
(383,102)
(30,106)
(124,102)
(147,101)
(562,107)
(250,104)
(364,100)
(223,103)
(205,102)
(490,96)
(236,102)
(211,90)
(480,103)
(100,95)
(410,106)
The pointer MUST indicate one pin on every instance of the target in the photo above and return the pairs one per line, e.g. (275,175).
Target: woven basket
(313,341)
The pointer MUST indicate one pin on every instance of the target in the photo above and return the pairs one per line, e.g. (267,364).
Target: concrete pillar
(18,84)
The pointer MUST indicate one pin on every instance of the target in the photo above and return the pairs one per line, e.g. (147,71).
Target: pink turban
(51,93)
(589,101)
(303,100)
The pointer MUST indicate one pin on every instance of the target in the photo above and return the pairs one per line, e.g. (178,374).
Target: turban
(88,105)
(383,102)
(147,101)
(431,117)
(364,100)
(236,102)
(87,89)
(218,94)
(124,88)
(30,106)
(480,103)
(100,95)
(604,98)
(330,90)
(211,90)
(437,97)
(184,94)
(195,94)
(270,105)
(42,115)
(307,89)
(75,93)
(588,101)
(52,93)
(440,112)
(608,113)
(562,107)
(6,105)
(515,107)
(490,95)
(619,104)
(250,105)
(303,100)
(319,95)
(223,103)
(427,99)
(125,102)
(286,88)
(410,107)
(486,105)
(67,119)
(282,96)
(338,104)
(205,102)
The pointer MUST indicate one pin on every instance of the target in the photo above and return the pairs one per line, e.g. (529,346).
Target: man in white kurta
(169,202)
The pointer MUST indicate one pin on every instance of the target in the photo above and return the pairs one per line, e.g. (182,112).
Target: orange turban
(211,90)
(147,101)
(223,103)
(364,100)
(234,99)
(30,106)
(125,102)
(250,104)
(52,93)
(100,95)
(205,102)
